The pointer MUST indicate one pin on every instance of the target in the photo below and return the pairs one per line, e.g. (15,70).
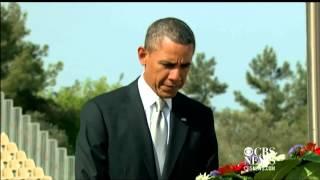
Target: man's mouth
(171,87)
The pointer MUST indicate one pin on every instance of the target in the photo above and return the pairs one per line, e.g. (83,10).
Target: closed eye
(168,65)
(184,66)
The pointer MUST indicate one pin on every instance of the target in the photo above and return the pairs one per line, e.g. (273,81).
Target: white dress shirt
(148,97)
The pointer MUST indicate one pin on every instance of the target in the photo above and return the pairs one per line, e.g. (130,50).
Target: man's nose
(175,74)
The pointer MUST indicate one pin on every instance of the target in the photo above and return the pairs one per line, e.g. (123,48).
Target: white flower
(270,158)
(203,177)
(280,157)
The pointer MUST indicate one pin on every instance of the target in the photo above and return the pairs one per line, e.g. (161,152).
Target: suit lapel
(142,130)
(179,131)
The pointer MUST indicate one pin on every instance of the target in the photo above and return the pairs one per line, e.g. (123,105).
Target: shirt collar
(148,96)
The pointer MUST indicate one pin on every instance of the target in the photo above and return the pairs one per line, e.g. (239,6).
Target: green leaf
(264,175)
(310,156)
(309,170)
(281,170)
(284,167)
(233,176)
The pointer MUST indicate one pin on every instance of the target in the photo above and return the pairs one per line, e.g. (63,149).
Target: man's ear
(142,54)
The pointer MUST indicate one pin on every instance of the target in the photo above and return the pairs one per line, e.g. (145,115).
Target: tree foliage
(280,121)
(202,84)
(269,80)
(25,79)
(75,96)
(23,75)
(12,32)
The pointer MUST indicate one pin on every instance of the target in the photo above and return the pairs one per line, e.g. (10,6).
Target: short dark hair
(173,28)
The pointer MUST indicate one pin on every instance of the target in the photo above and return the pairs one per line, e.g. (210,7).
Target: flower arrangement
(303,162)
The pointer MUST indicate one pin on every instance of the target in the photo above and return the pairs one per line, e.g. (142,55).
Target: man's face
(166,67)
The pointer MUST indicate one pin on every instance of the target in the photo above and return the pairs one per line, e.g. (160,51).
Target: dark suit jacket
(114,141)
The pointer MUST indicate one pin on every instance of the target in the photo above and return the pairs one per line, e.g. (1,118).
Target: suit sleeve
(213,160)
(91,156)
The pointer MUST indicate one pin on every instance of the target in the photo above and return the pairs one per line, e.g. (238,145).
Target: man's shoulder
(198,114)
(119,95)
(113,94)
(189,103)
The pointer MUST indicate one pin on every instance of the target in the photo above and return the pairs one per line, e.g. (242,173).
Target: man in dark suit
(148,130)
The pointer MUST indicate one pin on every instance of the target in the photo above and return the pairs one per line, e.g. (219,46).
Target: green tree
(12,32)
(75,96)
(23,76)
(202,84)
(280,121)
(270,80)
(296,95)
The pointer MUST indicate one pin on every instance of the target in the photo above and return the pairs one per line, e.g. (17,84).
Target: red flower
(310,146)
(232,168)
(317,151)
(226,169)
(239,167)
(296,151)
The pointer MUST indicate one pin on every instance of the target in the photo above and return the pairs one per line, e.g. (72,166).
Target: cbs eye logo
(248,151)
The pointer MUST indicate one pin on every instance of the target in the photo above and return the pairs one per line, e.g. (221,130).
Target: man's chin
(168,94)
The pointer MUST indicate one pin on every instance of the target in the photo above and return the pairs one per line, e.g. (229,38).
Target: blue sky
(101,39)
